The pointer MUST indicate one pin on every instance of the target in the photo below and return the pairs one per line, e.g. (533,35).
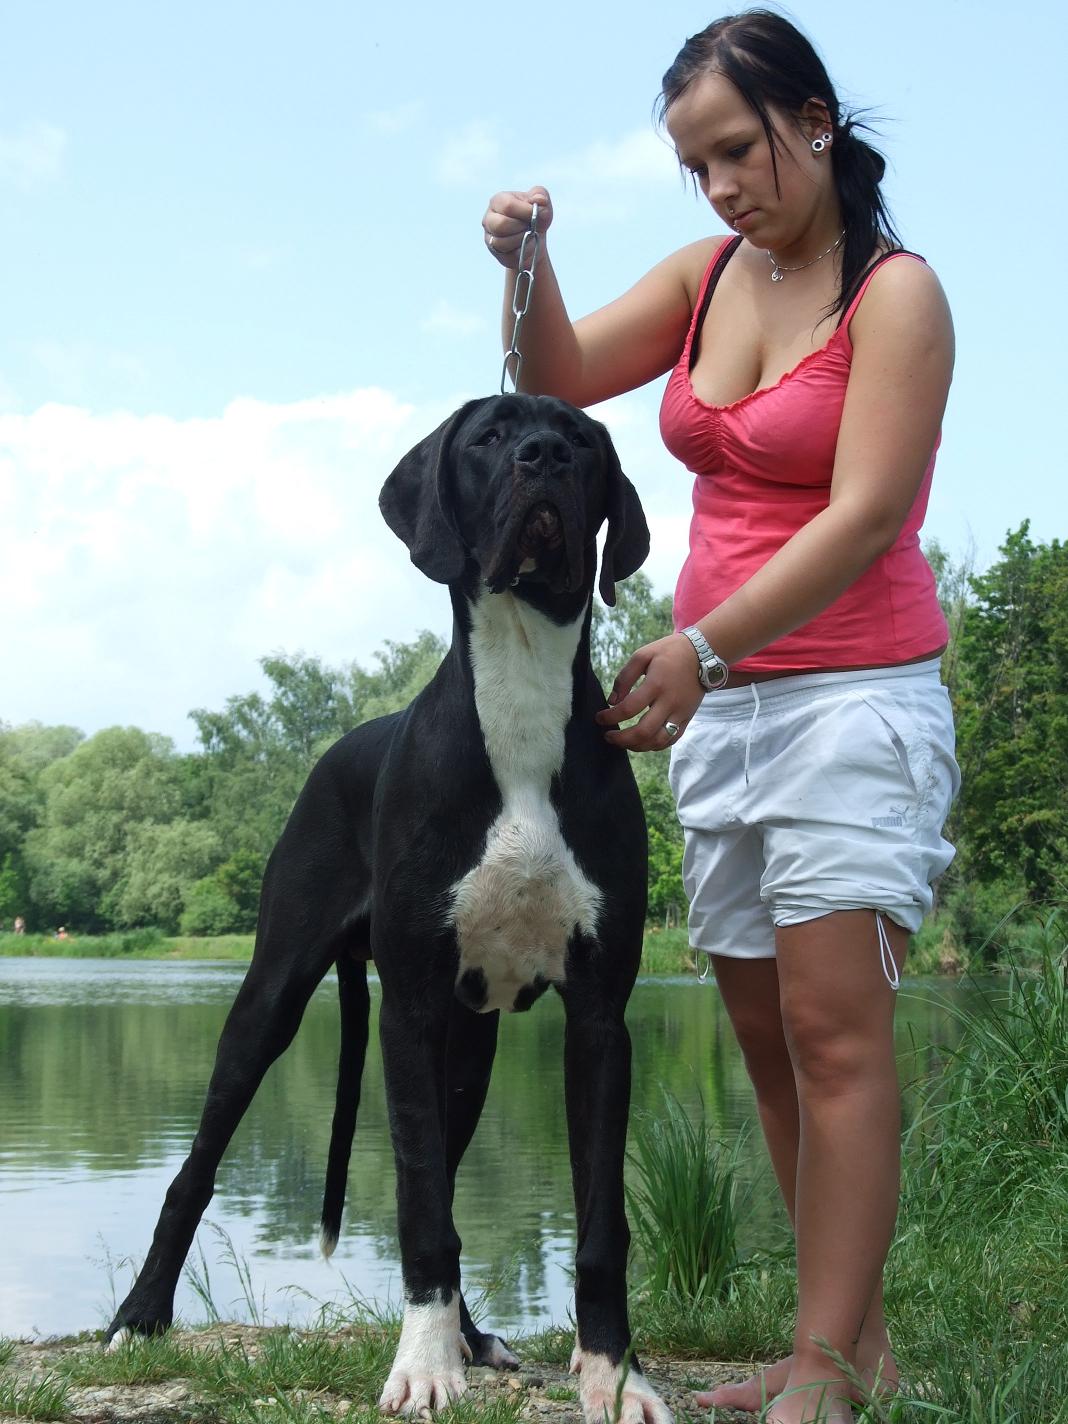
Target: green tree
(161,865)
(24,754)
(1012,719)
(404,669)
(640,617)
(95,799)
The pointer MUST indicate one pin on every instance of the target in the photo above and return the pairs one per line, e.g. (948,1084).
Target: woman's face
(721,140)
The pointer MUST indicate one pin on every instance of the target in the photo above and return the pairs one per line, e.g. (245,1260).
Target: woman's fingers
(657,730)
(507,220)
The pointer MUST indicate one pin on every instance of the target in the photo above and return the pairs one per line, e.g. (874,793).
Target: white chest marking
(515,911)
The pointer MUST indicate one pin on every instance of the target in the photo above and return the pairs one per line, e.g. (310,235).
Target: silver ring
(672,729)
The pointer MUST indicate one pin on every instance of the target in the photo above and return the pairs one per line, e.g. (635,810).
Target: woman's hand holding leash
(507,219)
(668,695)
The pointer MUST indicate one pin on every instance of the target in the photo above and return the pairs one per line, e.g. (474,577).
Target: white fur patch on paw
(428,1370)
(599,1390)
(118,1340)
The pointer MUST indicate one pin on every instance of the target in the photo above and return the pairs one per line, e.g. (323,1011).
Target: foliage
(640,617)
(1012,718)
(162,864)
(95,801)
(225,902)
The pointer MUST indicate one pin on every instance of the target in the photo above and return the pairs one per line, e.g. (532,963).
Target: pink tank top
(763,466)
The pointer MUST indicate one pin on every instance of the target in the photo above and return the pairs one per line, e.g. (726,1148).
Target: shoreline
(665,953)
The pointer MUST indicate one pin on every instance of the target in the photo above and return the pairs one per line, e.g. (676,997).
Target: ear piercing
(819,144)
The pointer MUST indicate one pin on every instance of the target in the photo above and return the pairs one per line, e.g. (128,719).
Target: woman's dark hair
(772,64)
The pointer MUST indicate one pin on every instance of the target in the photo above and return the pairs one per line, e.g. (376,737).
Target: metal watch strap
(712,671)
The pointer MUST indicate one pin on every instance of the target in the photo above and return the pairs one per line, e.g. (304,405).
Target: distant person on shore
(20,925)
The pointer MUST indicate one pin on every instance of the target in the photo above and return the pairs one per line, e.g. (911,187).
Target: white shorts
(803,795)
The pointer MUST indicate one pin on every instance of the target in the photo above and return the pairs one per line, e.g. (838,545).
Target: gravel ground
(547,1390)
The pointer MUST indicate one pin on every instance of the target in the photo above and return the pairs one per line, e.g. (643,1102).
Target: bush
(209,910)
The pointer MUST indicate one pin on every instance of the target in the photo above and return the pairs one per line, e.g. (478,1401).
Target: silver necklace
(777,272)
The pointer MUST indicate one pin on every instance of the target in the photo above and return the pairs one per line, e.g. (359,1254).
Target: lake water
(103,1065)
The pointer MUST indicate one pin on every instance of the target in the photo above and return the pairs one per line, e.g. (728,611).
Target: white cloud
(640,156)
(149,562)
(468,154)
(452,320)
(32,154)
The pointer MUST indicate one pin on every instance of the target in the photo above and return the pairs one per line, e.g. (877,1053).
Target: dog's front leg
(597,1089)
(428,1371)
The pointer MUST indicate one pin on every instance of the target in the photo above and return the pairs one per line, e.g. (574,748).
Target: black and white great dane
(480,846)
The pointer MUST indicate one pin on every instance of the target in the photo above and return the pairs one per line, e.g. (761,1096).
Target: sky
(242,272)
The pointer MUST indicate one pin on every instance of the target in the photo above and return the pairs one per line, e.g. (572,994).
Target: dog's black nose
(543,447)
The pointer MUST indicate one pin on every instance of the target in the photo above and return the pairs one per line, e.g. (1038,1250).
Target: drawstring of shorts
(886,954)
(752,727)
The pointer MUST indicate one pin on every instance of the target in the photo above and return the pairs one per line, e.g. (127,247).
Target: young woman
(810,360)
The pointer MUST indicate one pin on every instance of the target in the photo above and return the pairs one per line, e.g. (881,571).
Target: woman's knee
(750,993)
(832,1049)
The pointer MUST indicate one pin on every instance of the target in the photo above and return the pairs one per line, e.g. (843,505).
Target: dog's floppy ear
(414,502)
(627,543)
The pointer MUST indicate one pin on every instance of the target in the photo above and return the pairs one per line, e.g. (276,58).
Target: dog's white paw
(428,1371)
(117,1340)
(601,1397)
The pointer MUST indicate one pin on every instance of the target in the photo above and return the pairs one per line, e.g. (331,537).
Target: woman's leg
(837,1015)
(750,992)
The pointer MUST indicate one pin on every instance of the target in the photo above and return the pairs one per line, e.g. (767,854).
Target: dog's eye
(580,440)
(489,437)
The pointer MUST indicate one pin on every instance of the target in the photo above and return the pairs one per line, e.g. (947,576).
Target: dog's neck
(523,665)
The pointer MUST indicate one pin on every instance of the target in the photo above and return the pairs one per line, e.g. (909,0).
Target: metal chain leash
(524,288)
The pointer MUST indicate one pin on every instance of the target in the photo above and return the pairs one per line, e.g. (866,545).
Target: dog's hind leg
(472,1046)
(260,1026)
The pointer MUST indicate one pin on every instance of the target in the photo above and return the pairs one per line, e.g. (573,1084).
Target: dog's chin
(542,550)
(547,569)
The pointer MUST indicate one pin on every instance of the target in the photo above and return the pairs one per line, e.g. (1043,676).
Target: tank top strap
(860,286)
(722,255)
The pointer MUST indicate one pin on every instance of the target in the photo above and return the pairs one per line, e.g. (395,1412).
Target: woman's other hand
(668,694)
(508,217)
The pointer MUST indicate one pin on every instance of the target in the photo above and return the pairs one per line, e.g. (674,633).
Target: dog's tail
(355,1017)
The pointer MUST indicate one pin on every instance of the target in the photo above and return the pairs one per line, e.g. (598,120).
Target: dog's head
(517,486)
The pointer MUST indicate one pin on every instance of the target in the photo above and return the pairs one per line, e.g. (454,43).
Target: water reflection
(103,1069)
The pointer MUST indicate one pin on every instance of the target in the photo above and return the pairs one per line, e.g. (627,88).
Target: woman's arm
(623,345)
(902,363)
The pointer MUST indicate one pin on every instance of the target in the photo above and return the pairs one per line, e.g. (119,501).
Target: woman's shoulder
(902,288)
(901,306)
(899,274)
(693,261)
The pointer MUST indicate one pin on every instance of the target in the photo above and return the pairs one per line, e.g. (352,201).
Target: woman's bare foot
(815,1404)
(752,1394)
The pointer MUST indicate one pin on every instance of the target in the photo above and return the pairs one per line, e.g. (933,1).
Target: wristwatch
(712,671)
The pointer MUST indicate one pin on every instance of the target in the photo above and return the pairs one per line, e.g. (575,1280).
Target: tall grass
(684,1207)
(995,1125)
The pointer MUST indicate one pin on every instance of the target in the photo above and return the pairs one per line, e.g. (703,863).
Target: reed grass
(684,1206)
